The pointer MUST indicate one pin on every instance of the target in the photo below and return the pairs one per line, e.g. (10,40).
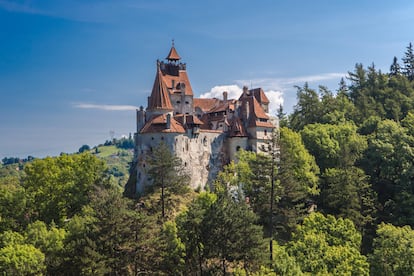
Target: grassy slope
(118,161)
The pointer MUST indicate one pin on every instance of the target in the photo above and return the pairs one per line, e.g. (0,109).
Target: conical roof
(173,55)
(160,98)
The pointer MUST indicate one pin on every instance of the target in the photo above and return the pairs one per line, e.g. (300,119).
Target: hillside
(118,161)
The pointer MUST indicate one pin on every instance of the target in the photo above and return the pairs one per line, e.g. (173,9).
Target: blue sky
(73,71)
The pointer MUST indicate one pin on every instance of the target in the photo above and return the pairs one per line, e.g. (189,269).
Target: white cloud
(106,107)
(234,92)
(276,99)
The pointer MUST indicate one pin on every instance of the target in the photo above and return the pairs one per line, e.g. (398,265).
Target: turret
(140,118)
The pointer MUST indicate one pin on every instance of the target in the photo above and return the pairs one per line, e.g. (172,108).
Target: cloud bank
(106,107)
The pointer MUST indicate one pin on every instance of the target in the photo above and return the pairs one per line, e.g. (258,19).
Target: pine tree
(395,69)
(408,60)
(167,173)
(281,116)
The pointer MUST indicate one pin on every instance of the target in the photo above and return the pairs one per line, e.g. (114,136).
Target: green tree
(49,241)
(82,256)
(112,228)
(283,263)
(166,172)
(84,148)
(334,145)
(367,92)
(395,68)
(336,109)
(231,234)
(408,60)
(348,194)
(326,245)
(57,188)
(191,230)
(254,173)
(308,108)
(281,116)
(103,238)
(393,251)
(172,250)
(219,231)
(21,259)
(388,161)
(298,182)
(12,204)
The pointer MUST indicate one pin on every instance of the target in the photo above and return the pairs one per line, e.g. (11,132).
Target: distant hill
(118,161)
(117,154)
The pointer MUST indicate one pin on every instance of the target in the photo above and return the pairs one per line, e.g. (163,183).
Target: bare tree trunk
(162,198)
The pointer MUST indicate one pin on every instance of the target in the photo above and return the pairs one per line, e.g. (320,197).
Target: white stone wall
(234,144)
(202,156)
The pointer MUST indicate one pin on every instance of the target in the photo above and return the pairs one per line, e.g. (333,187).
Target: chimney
(245,91)
(225,94)
(247,110)
(168,121)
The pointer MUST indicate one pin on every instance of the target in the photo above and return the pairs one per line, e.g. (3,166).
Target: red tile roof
(159,124)
(173,55)
(256,123)
(205,104)
(160,98)
(189,119)
(181,78)
(260,95)
(258,110)
(236,128)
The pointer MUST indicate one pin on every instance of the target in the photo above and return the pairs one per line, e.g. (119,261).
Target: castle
(204,133)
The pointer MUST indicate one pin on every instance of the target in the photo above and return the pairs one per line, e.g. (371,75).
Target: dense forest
(333,196)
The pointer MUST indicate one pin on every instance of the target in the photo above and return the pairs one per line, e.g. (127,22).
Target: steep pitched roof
(160,98)
(236,128)
(257,110)
(159,124)
(182,77)
(173,55)
(259,118)
(260,95)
